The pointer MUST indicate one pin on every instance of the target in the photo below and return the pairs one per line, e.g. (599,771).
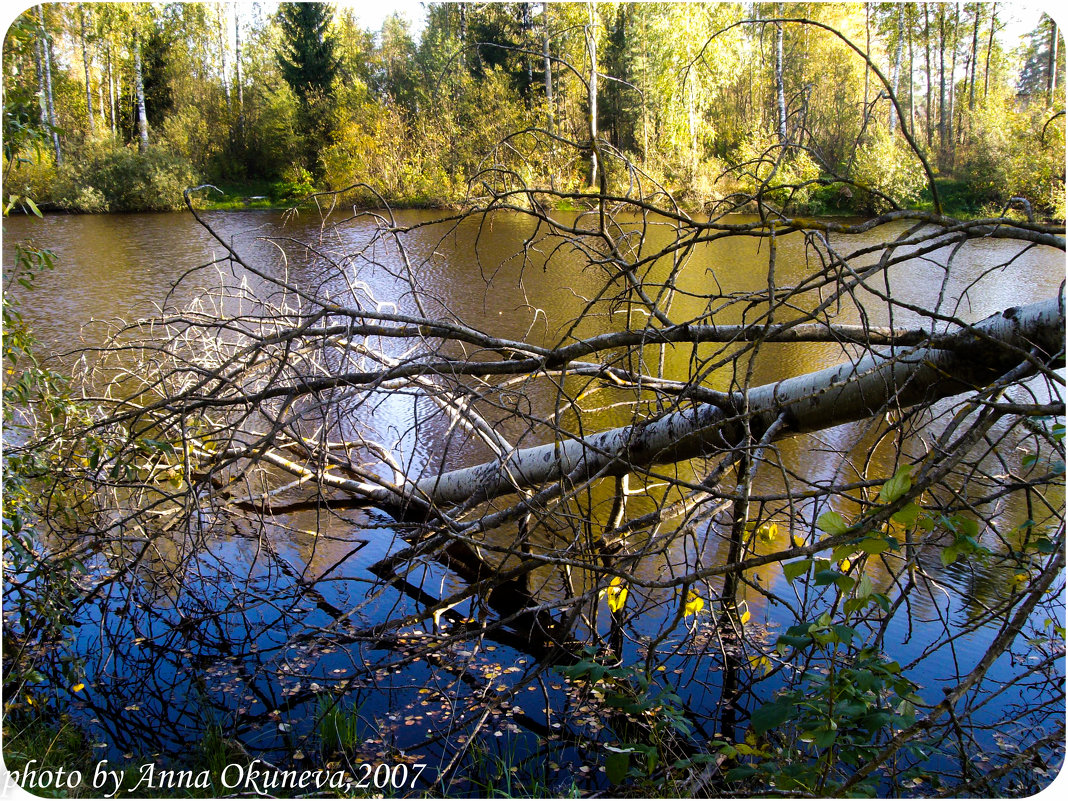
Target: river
(154,686)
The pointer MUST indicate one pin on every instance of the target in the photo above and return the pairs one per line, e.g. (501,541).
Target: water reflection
(168,652)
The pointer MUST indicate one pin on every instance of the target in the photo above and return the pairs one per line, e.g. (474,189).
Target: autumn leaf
(694,604)
(616,593)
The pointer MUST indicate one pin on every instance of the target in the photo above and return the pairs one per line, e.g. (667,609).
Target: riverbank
(825,201)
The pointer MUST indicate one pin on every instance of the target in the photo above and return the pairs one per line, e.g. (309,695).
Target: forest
(143,100)
(575,400)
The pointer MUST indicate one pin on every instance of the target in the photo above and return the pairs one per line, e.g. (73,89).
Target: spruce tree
(309,63)
(308,57)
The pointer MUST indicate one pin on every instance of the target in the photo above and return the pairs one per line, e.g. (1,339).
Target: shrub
(122,179)
(784,176)
(888,168)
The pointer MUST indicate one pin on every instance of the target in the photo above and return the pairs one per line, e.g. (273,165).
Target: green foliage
(685,94)
(1016,154)
(39,587)
(779,175)
(648,726)
(122,179)
(889,172)
(307,56)
(339,726)
(849,700)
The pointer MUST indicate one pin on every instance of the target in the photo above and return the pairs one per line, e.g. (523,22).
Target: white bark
(85,65)
(49,103)
(780,84)
(896,77)
(139,92)
(967,360)
(591,48)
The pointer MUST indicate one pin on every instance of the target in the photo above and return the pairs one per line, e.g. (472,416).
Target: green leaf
(770,715)
(33,207)
(794,569)
(824,577)
(740,772)
(844,633)
(794,640)
(965,525)
(948,556)
(616,766)
(824,738)
(831,523)
(34,676)
(864,587)
(845,583)
(907,515)
(873,545)
(897,486)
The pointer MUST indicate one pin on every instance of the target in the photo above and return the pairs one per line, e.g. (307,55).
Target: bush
(785,177)
(295,184)
(887,167)
(122,179)
(1007,156)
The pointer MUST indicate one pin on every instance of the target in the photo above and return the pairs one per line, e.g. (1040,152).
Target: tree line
(141,100)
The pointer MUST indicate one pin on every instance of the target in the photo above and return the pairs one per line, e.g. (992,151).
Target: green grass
(46,741)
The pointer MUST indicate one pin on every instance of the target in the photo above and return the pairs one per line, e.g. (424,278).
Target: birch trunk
(975,56)
(990,47)
(49,103)
(591,49)
(550,117)
(85,65)
(1051,66)
(950,366)
(952,134)
(927,64)
(238,77)
(111,93)
(780,84)
(139,95)
(896,79)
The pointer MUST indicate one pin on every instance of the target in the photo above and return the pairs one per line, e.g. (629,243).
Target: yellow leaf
(616,593)
(745,617)
(767,532)
(845,564)
(798,541)
(77,688)
(694,604)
